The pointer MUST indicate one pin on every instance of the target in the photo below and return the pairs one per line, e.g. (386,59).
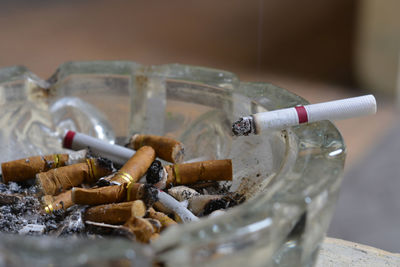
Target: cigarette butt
(282,118)
(138,208)
(179,209)
(156,224)
(189,173)
(97,196)
(60,202)
(216,213)
(141,228)
(61,179)
(117,213)
(24,169)
(157,175)
(154,237)
(158,206)
(182,192)
(197,204)
(136,166)
(161,217)
(115,193)
(166,148)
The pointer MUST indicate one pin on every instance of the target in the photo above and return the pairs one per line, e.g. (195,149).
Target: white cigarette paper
(178,208)
(282,118)
(115,153)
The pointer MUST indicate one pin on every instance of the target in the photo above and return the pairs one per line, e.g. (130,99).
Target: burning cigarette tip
(244,126)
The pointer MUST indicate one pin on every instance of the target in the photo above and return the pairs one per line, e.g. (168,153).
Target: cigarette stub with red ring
(282,118)
(115,153)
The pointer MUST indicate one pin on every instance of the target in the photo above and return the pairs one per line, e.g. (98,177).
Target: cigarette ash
(103,182)
(225,202)
(105,163)
(244,126)
(150,195)
(155,172)
(24,214)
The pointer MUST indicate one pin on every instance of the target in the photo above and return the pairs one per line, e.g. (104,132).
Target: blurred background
(321,50)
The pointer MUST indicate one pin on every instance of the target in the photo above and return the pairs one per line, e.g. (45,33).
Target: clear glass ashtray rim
(236,86)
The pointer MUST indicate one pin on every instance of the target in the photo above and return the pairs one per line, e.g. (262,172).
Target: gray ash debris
(22,213)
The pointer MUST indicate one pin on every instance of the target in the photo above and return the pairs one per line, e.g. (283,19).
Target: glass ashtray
(290,178)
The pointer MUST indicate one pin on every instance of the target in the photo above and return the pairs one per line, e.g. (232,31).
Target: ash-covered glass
(290,178)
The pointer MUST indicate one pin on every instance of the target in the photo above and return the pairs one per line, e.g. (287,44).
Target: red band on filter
(302,114)
(69,137)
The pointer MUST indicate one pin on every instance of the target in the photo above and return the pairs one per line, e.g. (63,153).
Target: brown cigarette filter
(166,148)
(98,196)
(136,166)
(24,169)
(161,217)
(138,208)
(108,194)
(60,202)
(61,179)
(141,228)
(117,213)
(189,173)
(154,237)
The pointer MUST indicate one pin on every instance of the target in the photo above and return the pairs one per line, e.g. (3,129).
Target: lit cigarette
(114,193)
(115,153)
(279,119)
(166,148)
(175,206)
(136,166)
(60,202)
(61,179)
(25,169)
